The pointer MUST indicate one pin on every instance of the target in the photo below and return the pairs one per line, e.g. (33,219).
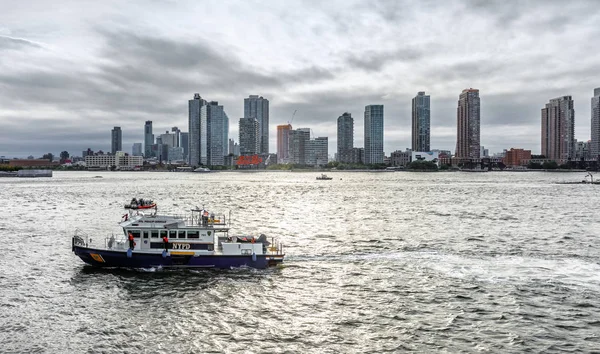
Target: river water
(376,262)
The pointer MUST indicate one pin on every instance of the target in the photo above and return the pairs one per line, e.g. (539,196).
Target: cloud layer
(71,71)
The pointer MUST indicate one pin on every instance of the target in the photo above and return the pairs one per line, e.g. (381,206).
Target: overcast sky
(70,71)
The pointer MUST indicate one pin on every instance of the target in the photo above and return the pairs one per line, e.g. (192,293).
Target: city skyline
(84,63)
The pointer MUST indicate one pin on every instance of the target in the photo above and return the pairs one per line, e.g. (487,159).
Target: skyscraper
(558,129)
(283,143)
(258,107)
(214,134)
(177,133)
(373,134)
(184,142)
(345,137)
(468,123)
(595,143)
(421,126)
(249,133)
(148,139)
(194,136)
(116,140)
(136,149)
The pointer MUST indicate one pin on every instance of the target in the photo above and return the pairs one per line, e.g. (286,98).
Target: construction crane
(293,115)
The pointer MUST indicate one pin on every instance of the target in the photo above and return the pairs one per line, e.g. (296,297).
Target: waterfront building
(516,157)
(184,142)
(400,158)
(283,143)
(558,129)
(120,160)
(468,125)
(116,140)
(595,142)
(160,152)
(194,136)
(345,137)
(214,134)
(249,132)
(148,139)
(316,151)
(298,140)
(258,108)
(421,122)
(136,149)
(373,134)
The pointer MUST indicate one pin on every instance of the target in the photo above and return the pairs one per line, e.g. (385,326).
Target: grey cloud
(376,61)
(9,43)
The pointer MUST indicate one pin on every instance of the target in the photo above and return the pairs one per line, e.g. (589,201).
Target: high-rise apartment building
(184,142)
(283,143)
(214,134)
(345,137)
(558,129)
(468,125)
(116,140)
(373,134)
(177,134)
(316,151)
(258,108)
(249,132)
(194,137)
(595,142)
(298,140)
(421,122)
(136,149)
(148,139)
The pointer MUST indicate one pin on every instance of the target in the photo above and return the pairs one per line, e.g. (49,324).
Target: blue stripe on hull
(140,260)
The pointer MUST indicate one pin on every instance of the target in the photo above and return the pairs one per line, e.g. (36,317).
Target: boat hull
(119,259)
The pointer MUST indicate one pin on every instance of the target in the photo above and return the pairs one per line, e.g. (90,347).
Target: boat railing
(275,248)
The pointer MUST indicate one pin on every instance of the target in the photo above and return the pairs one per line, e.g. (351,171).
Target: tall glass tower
(148,139)
(373,134)
(258,108)
(421,113)
(468,125)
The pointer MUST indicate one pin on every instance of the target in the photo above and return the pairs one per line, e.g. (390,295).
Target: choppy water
(376,262)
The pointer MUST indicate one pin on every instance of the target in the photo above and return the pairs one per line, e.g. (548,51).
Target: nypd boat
(200,240)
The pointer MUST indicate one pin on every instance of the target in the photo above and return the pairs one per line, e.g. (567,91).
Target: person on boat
(205,217)
(131,242)
(166,242)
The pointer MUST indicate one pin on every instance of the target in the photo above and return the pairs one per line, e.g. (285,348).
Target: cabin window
(154,233)
(135,234)
(211,247)
(181,234)
(146,234)
(163,233)
(193,234)
(172,234)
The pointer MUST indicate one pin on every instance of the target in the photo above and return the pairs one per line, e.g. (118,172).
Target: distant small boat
(324,177)
(202,169)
